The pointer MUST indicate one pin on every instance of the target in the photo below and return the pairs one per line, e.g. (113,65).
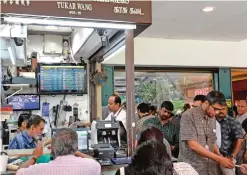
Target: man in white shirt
(114,105)
(242,111)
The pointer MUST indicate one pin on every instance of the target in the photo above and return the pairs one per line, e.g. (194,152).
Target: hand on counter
(79,154)
(37,152)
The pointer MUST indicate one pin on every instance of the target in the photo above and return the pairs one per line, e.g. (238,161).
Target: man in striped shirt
(67,159)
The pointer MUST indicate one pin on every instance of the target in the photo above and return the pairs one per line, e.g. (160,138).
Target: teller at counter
(28,138)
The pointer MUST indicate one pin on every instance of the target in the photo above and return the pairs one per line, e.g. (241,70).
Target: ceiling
(186,20)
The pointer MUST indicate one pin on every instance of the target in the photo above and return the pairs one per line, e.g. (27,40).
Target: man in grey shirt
(198,136)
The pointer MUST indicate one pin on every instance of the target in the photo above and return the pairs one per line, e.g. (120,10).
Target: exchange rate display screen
(62,79)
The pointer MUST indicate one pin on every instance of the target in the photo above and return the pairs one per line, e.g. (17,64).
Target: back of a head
(151,158)
(151,133)
(201,98)
(216,97)
(22,118)
(186,106)
(153,108)
(64,142)
(34,120)
(143,107)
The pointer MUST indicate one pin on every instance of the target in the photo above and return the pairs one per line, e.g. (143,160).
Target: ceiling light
(70,23)
(208,9)
(51,27)
(11,54)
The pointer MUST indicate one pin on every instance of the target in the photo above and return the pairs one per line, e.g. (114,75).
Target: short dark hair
(167,105)
(186,106)
(150,133)
(244,125)
(235,109)
(201,98)
(151,158)
(214,97)
(143,107)
(153,108)
(117,99)
(23,117)
(34,120)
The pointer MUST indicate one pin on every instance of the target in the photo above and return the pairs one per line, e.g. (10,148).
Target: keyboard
(121,161)
(105,162)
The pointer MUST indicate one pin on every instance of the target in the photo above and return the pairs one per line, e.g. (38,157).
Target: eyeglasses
(217,109)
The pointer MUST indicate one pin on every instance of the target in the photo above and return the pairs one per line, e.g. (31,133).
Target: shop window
(239,84)
(156,87)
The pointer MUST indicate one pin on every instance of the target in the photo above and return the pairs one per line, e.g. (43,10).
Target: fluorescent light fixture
(208,9)
(51,27)
(11,54)
(115,53)
(68,23)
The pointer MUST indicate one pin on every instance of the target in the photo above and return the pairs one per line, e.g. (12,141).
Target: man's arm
(176,137)
(79,154)
(237,147)
(216,150)
(13,144)
(199,149)
(28,163)
(238,134)
(37,152)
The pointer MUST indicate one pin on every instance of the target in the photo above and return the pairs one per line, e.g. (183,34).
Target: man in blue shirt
(27,139)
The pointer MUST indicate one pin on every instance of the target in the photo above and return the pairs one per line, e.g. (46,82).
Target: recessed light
(51,27)
(208,9)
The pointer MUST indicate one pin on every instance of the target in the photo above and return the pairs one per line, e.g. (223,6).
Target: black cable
(49,117)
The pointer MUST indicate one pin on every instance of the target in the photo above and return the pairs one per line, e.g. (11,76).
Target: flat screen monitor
(61,79)
(24,102)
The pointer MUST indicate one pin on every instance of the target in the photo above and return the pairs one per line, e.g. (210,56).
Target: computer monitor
(61,79)
(83,144)
(82,133)
(24,102)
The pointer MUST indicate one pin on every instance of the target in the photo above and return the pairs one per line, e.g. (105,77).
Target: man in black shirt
(231,137)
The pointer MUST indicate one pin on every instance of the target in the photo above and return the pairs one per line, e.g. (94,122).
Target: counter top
(24,152)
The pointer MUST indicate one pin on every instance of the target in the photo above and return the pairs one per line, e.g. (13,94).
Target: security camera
(18,41)
(103,35)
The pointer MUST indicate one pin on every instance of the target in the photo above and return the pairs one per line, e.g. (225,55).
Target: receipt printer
(103,151)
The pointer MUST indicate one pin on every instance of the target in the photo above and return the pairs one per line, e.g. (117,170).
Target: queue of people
(204,138)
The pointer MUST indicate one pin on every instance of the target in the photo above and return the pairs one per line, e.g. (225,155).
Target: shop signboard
(202,91)
(138,12)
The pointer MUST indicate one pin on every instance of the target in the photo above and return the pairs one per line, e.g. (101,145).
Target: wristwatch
(34,158)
